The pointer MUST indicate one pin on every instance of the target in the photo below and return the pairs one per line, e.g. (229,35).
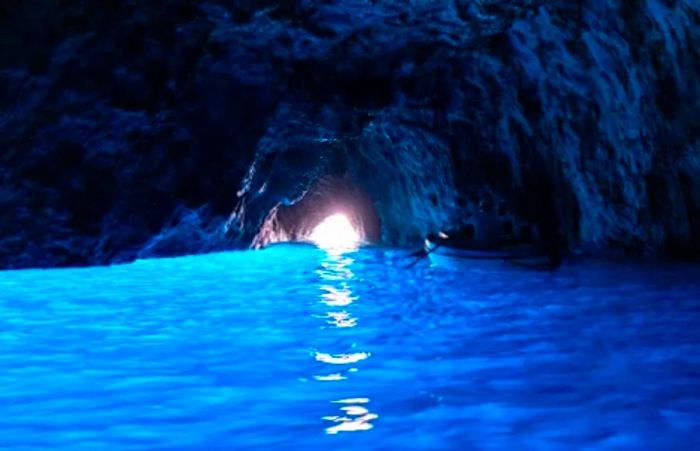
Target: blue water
(294,348)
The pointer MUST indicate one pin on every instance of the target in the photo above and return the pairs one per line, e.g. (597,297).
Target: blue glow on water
(295,348)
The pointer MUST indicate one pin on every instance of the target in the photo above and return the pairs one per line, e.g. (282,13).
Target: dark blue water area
(295,348)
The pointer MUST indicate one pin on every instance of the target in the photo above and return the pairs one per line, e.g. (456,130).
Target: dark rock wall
(135,128)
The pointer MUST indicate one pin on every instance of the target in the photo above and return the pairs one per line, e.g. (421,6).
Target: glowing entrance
(336,232)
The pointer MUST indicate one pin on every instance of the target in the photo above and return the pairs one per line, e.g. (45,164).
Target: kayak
(445,250)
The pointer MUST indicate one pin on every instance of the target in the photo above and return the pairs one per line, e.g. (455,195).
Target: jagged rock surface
(131,128)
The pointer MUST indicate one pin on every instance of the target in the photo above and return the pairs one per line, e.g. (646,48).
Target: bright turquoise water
(292,348)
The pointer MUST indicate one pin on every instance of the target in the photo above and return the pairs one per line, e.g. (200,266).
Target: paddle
(421,254)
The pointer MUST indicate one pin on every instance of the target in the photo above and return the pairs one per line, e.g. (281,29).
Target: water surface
(295,348)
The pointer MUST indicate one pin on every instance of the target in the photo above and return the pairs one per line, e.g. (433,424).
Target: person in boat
(484,229)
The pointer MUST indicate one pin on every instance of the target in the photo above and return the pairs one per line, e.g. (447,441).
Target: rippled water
(294,348)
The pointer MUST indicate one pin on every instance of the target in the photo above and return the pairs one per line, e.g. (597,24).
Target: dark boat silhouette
(446,248)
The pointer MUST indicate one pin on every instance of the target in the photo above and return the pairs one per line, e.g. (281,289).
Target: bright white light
(342,359)
(335,232)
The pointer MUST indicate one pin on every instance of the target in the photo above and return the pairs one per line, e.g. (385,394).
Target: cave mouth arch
(327,197)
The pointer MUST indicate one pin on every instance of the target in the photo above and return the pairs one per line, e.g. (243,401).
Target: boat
(444,249)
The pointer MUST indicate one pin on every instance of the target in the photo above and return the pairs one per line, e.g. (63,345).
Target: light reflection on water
(355,417)
(336,277)
(341,319)
(336,297)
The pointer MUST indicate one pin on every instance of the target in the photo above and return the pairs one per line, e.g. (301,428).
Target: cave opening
(333,213)
(335,232)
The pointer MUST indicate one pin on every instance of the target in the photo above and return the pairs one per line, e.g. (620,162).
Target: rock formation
(134,129)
